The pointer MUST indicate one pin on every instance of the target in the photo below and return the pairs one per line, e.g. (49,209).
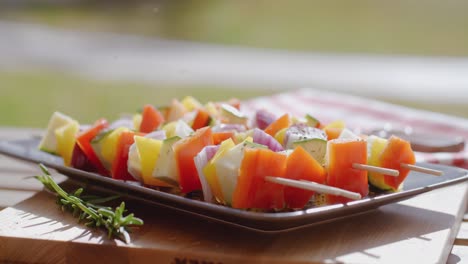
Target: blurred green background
(363,26)
(30,94)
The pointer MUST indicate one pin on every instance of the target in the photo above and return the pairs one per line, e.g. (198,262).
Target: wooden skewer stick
(385,171)
(422,169)
(313,186)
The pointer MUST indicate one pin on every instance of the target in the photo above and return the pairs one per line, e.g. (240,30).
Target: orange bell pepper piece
(341,174)
(283,122)
(252,191)
(302,166)
(396,152)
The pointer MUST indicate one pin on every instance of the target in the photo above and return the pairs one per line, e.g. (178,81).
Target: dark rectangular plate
(416,183)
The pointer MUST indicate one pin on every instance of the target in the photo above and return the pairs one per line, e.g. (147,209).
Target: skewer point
(313,186)
(422,169)
(385,171)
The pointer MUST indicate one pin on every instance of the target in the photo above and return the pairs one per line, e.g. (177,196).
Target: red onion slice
(201,159)
(263,118)
(260,137)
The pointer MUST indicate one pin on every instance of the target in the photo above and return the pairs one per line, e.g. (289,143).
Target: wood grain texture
(16,183)
(420,230)
(462,236)
(391,234)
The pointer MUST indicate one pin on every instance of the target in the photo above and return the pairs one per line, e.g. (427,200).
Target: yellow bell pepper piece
(210,169)
(377,145)
(66,138)
(279,136)
(335,124)
(190,103)
(137,121)
(109,145)
(211,108)
(170,128)
(149,149)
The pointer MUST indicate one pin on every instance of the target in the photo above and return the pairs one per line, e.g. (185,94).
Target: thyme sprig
(90,209)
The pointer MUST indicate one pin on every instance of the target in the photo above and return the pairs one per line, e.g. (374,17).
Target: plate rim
(255,221)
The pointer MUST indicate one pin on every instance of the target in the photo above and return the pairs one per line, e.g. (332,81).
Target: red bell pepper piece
(301,166)
(80,160)
(202,119)
(252,191)
(119,169)
(83,140)
(185,150)
(151,119)
(341,174)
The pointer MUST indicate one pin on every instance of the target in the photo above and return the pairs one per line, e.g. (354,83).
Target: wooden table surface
(429,228)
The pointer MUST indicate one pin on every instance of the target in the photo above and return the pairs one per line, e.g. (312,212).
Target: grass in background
(29,98)
(424,27)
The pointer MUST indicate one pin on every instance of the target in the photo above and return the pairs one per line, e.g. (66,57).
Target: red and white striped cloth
(367,114)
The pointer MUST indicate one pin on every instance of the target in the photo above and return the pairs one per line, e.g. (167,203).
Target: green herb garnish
(88,208)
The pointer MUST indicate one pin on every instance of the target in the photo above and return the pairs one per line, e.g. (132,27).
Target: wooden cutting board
(420,230)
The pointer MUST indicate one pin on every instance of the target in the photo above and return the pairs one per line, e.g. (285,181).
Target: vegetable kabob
(190,147)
